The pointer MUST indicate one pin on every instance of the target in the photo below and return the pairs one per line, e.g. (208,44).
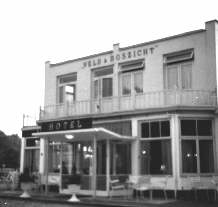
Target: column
(22,154)
(108,166)
(175,147)
(135,150)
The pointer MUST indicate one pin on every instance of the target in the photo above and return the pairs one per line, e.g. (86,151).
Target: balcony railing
(148,100)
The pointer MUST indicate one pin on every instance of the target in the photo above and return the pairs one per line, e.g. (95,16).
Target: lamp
(69,136)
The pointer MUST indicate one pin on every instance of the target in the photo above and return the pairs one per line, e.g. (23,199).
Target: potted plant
(26,183)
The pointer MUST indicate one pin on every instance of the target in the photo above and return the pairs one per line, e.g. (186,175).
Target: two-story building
(145,110)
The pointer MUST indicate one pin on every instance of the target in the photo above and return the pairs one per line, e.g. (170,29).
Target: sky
(35,31)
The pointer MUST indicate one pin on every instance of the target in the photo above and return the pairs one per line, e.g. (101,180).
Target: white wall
(204,66)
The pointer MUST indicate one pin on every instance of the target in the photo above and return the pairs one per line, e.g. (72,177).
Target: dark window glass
(32,160)
(107,87)
(188,127)
(206,156)
(32,142)
(145,129)
(156,157)
(204,127)
(155,129)
(189,156)
(165,129)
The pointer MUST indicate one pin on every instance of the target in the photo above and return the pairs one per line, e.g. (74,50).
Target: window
(197,146)
(54,157)
(131,77)
(103,83)
(31,160)
(178,70)
(67,88)
(155,151)
(132,83)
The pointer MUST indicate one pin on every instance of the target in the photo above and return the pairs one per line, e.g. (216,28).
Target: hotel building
(145,110)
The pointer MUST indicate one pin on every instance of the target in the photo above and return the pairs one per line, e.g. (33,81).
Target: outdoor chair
(215,186)
(116,185)
(160,184)
(143,184)
(198,184)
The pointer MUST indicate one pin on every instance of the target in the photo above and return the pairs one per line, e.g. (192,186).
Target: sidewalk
(61,200)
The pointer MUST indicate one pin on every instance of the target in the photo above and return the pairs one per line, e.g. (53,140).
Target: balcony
(150,100)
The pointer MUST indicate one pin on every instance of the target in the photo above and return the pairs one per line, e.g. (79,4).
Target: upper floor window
(103,83)
(67,88)
(178,70)
(131,77)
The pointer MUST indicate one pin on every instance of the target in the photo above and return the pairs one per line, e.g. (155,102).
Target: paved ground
(8,199)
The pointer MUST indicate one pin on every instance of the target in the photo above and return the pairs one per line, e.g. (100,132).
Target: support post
(108,166)
(94,164)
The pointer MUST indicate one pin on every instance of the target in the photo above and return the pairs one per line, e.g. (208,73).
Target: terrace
(149,100)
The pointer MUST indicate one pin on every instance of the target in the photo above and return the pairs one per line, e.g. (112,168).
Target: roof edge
(128,47)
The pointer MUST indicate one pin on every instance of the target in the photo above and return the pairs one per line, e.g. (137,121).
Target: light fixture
(69,136)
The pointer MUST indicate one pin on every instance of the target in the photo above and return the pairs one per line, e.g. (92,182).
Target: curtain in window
(32,160)
(172,77)
(186,76)
(126,84)
(138,82)
(107,87)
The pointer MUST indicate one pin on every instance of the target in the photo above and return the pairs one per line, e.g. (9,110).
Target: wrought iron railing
(147,100)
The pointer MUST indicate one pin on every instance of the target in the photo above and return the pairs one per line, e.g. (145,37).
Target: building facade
(144,110)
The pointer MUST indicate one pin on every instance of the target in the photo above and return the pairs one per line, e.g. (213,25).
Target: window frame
(179,75)
(197,140)
(132,82)
(63,85)
(149,139)
(100,79)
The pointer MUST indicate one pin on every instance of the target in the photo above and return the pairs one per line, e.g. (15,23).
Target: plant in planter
(26,183)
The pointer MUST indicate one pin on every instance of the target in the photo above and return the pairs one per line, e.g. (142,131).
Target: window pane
(54,158)
(165,128)
(32,142)
(32,160)
(138,82)
(126,84)
(206,156)
(70,92)
(123,160)
(145,129)
(156,157)
(155,129)
(186,74)
(96,89)
(188,127)
(204,127)
(172,77)
(61,94)
(107,87)
(189,156)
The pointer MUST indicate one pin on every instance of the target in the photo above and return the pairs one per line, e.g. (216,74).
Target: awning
(83,135)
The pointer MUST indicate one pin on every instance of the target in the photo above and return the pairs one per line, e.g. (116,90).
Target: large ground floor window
(32,160)
(155,148)
(197,146)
